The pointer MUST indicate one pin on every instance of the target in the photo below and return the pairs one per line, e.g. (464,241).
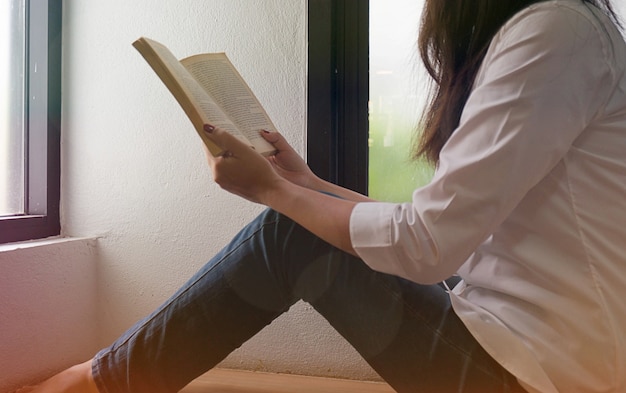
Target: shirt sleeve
(544,78)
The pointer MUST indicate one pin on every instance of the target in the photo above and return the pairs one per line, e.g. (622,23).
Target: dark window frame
(43,127)
(338,91)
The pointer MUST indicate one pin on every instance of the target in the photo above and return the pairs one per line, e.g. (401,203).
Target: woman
(527,127)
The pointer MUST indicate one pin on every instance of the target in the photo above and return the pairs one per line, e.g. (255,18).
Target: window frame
(43,127)
(338,91)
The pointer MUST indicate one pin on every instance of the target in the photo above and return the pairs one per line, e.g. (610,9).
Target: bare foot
(77,379)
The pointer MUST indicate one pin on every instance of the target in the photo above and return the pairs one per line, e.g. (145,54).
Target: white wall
(620,8)
(48,300)
(134,175)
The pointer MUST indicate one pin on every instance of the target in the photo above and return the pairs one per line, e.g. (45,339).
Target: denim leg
(411,336)
(225,303)
(407,332)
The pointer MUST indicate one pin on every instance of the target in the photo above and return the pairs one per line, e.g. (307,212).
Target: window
(397,98)
(363,96)
(338,91)
(30,118)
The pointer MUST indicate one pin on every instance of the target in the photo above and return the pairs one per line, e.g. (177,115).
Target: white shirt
(528,204)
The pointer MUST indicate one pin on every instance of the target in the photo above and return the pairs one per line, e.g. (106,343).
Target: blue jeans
(407,332)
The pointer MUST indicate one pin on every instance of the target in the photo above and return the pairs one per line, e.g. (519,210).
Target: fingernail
(266,131)
(208,128)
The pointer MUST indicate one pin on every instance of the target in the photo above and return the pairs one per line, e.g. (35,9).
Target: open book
(210,91)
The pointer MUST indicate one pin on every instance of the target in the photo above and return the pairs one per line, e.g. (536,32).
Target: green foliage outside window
(393,176)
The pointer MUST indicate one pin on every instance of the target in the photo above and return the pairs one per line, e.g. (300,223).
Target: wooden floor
(233,381)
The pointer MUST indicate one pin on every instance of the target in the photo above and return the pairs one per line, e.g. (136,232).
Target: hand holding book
(279,182)
(240,170)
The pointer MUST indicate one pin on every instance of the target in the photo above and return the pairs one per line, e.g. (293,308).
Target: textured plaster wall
(134,174)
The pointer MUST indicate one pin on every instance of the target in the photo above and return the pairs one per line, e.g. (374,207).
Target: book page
(197,104)
(215,73)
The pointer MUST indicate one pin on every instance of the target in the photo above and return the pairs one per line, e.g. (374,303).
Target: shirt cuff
(372,237)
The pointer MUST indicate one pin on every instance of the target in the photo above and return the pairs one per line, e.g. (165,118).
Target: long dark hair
(453,40)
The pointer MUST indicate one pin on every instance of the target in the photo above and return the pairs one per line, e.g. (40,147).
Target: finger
(276,139)
(225,140)
(272,137)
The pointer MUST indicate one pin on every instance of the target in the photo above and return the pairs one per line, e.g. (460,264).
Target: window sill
(50,241)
